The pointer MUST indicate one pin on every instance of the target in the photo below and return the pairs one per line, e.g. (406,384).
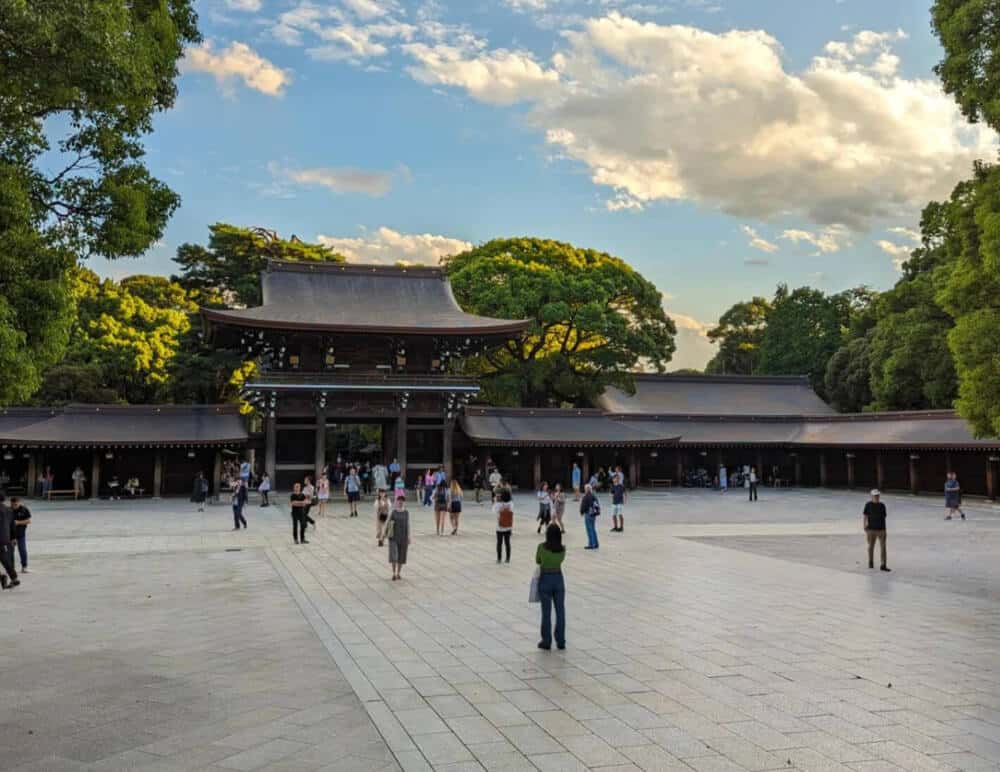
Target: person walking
(399,487)
(504,511)
(200,491)
(953,496)
(323,494)
(309,491)
(382,509)
(22,519)
(9,578)
(558,499)
(440,498)
(398,534)
(495,479)
(239,500)
(427,487)
(352,489)
(723,478)
(874,520)
(455,496)
(245,473)
(298,506)
(477,485)
(366,478)
(576,477)
(590,508)
(544,506)
(549,558)
(264,489)
(381,477)
(47,479)
(79,478)
(752,482)
(618,494)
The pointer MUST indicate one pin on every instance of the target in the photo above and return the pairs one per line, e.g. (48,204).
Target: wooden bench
(65,492)
(654,482)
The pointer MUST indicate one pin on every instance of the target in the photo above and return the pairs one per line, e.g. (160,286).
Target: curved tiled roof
(554,428)
(333,297)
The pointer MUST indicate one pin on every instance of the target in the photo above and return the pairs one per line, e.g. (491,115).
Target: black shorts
(456,507)
(353,496)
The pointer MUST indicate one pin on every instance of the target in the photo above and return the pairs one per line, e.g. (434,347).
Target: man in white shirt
(753,483)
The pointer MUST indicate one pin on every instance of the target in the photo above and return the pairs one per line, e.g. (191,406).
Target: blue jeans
(22,548)
(552,591)
(591,522)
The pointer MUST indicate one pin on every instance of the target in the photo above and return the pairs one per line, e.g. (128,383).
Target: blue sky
(719,146)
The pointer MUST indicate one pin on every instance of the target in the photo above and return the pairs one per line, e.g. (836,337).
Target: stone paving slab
(711,635)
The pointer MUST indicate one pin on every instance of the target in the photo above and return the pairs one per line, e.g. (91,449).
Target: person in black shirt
(22,519)
(299,505)
(239,501)
(6,546)
(875,528)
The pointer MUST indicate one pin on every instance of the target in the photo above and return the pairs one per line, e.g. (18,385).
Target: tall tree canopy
(81,81)
(739,334)
(594,319)
(229,268)
(969,31)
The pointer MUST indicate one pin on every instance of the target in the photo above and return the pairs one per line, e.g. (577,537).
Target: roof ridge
(356,269)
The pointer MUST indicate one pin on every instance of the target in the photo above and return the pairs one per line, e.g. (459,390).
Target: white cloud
(758,242)
(237,62)
(371,9)
(251,6)
(388,246)
(672,112)
(356,43)
(907,233)
(356,32)
(694,349)
(830,239)
(899,253)
(341,180)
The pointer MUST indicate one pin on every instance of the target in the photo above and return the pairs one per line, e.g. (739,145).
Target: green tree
(969,31)
(228,270)
(804,328)
(81,82)
(739,334)
(848,376)
(594,319)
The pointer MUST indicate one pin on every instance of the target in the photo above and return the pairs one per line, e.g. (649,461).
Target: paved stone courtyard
(713,635)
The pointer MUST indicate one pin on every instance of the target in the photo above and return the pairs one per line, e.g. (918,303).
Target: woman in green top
(551,588)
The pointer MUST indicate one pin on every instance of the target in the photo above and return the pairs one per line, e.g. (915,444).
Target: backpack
(506,516)
(441,498)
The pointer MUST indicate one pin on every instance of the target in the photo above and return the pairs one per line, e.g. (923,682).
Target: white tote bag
(533,591)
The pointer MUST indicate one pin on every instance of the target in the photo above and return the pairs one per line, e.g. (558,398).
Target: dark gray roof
(124,426)
(361,298)
(706,431)
(550,428)
(683,395)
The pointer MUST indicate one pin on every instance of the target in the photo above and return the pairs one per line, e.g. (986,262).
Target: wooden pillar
(760,465)
(536,470)
(401,429)
(850,470)
(633,468)
(991,482)
(32,481)
(822,470)
(798,470)
(157,474)
(585,468)
(319,457)
(914,474)
(879,472)
(95,475)
(679,469)
(449,448)
(947,462)
(270,451)
(217,476)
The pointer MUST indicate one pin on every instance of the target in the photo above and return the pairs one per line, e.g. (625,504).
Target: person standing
(398,533)
(200,492)
(440,501)
(558,505)
(477,485)
(395,470)
(245,473)
(352,489)
(874,520)
(399,487)
(495,479)
(48,477)
(264,489)
(590,508)
(549,558)
(382,508)
(544,506)
(323,493)
(381,477)
(239,500)
(576,477)
(455,496)
(366,478)
(22,519)
(618,503)
(504,511)
(9,577)
(723,478)
(953,496)
(79,478)
(752,481)
(298,504)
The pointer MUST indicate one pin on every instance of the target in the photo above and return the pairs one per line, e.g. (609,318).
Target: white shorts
(616,509)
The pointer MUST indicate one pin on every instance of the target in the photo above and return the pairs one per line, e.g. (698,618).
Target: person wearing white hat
(874,518)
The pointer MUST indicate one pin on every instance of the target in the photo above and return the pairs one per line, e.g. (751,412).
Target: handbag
(390,529)
(533,596)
